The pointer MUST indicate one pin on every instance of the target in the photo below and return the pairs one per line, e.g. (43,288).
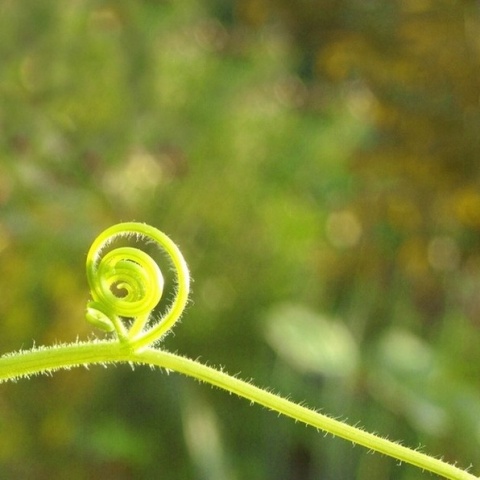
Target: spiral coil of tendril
(127,283)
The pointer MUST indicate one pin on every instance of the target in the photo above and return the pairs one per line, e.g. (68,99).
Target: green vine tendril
(126,285)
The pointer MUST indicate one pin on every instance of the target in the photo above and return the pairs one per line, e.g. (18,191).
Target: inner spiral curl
(135,274)
(126,282)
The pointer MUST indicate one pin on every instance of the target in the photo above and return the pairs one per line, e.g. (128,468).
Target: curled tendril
(127,283)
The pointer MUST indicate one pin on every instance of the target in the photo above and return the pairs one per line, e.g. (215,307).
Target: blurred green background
(318,164)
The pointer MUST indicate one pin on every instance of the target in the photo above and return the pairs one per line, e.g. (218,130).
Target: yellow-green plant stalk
(126,285)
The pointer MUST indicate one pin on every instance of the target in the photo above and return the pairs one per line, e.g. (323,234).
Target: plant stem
(48,359)
(14,366)
(300,413)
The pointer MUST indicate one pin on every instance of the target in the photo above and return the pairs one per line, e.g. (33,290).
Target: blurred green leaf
(310,342)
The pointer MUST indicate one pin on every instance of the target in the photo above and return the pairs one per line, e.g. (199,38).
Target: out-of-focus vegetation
(317,162)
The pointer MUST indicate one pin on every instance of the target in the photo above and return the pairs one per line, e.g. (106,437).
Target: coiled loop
(127,283)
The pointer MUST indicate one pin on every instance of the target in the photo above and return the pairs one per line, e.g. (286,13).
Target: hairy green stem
(48,359)
(298,412)
(25,363)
